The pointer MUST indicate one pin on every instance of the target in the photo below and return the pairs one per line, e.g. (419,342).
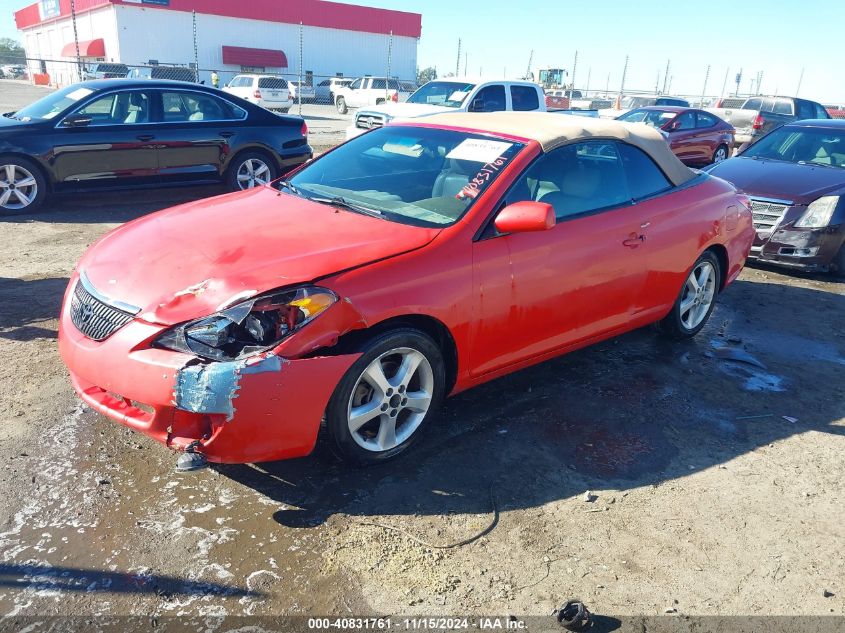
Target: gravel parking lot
(714,470)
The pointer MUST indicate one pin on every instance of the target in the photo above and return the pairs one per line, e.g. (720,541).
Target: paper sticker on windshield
(458,95)
(479,150)
(482,178)
(78,94)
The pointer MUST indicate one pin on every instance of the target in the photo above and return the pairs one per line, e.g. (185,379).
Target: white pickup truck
(366,91)
(456,94)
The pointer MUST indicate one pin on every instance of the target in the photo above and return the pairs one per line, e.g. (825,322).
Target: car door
(193,137)
(709,137)
(683,136)
(490,98)
(355,96)
(553,289)
(106,142)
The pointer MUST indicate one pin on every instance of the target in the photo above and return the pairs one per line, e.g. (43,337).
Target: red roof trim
(256,57)
(88,48)
(319,13)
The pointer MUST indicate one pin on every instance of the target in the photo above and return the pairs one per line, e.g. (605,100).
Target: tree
(426,75)
(10,46)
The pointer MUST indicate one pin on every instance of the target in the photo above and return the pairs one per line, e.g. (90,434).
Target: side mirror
(525,216)
(77,120)
(477,105)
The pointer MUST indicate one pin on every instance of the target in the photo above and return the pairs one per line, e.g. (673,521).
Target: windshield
(817,146)
(53,104)
(420,176)
(637,102)
(653,118)
(443,93)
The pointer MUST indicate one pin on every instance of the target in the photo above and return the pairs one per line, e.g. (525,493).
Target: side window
(195,106)
(356,84)
(821,113)
(753,104)
(685,122)
(379,84)
(804,109)
(704,119)
(524,98)
(118,108)
(783,106)
(491,99)
(644,176)
(768,105)
(575,179)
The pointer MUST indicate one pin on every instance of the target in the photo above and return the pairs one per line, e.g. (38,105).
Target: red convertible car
(410,263)
(697,137)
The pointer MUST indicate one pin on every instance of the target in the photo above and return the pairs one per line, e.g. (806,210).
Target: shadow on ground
(27,304)
(633,411)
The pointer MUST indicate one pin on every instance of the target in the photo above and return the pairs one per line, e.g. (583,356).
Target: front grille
(766,215)
(95,319)
(369,121)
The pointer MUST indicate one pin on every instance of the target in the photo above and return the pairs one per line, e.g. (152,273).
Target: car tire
(251,164)
(722,153)
(404,361)
(18,174)
(695,301)
(341,105)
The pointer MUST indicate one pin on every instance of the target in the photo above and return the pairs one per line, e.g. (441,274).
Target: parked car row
(118,133)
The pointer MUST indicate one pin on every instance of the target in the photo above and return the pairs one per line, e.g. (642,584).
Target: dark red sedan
(695,136)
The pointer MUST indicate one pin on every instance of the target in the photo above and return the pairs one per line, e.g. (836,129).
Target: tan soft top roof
(552,130)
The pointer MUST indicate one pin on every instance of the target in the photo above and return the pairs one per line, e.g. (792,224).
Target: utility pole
(196,54)
(666,75)
(622,85)
(466,61)
(76,39)
(587,87)
(759,81)
(725,83)
(386,83)
(607,86)
(800,79)
(657,83)
(530,59)
(458,63)
(299,88)
(671,77)
(738,79)
(704,89)
(572,85)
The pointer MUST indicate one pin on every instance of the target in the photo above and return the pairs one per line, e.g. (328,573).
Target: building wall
(167,36)
(46,41)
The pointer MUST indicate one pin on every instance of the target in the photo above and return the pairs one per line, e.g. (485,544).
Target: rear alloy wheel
(696,300)
(251,170)
(341,105)
(383,400)
(720,154)
(22,187)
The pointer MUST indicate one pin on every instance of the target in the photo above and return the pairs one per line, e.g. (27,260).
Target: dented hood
(195,259)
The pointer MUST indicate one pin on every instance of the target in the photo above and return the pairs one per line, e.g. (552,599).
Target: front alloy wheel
(19,188)
(720,154)
(390,400)
(386,397)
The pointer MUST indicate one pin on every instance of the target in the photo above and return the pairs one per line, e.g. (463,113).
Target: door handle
(634,240)
(227,134)
(146,137)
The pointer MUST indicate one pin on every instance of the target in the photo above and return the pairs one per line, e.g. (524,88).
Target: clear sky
(777,37)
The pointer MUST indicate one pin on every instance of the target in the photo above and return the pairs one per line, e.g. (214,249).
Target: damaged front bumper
(809,249)
(261,408)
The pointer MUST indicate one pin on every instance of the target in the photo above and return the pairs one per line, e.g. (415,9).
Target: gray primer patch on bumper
(211,387)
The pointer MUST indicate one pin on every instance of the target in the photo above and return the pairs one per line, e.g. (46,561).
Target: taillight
(758,122)
(395,97)
(304,129)
(257,94)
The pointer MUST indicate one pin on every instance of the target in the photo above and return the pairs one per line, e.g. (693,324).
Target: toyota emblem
(85,313)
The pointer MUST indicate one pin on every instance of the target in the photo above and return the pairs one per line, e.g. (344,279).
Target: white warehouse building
(335,39)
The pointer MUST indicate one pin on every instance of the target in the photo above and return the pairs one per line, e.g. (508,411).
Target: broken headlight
(818,214)
(249,327)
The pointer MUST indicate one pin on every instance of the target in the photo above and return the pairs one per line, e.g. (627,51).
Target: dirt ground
(706,500)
